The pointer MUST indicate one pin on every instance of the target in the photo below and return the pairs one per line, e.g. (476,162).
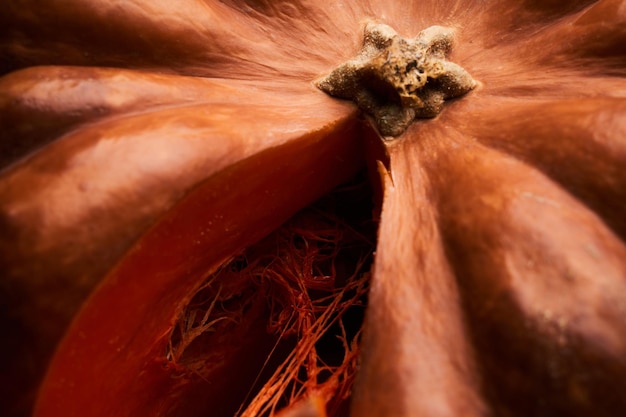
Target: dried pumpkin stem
(396,80)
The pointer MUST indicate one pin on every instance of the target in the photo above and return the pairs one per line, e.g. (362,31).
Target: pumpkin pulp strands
(302,272)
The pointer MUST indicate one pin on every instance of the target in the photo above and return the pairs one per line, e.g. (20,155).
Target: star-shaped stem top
(396,80)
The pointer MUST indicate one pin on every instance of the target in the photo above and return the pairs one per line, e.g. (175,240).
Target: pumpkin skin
(499,273)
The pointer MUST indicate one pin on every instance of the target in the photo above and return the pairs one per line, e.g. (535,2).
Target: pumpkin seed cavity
(307,282)
(396,80)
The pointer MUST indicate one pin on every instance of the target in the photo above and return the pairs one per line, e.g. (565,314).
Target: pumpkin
(163,252)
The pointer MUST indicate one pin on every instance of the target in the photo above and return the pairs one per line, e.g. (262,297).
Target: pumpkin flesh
(165,275)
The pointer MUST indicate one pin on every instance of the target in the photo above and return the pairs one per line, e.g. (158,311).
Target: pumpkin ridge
(503,301)
(546,134)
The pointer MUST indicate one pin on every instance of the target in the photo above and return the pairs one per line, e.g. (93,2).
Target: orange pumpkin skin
(499,273)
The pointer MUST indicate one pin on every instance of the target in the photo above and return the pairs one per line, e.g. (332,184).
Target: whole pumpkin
(153,150)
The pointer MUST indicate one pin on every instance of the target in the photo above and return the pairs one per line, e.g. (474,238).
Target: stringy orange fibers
(311,277)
